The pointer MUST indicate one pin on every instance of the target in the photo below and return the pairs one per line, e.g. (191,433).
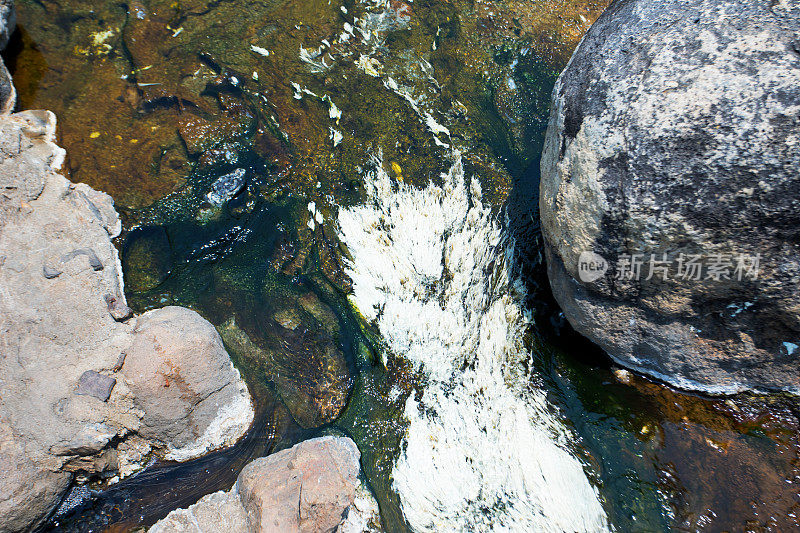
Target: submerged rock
(226,187)
(146,258)
(310,487)
(673,136)
(300,355)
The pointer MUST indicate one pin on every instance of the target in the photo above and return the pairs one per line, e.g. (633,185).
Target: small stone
(226,187)
(95,384)
(50,272)
(120,362)
(117,308)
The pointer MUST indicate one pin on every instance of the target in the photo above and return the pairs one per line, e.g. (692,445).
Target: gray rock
(50,272)
(90,255)
(58,337)
(90,440)
(8,21)
(674,130)
(226,187)
(29,489)
(8,93)
(95,384)
(118,308)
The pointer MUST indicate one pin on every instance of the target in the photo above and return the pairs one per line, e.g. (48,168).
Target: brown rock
(306,488)
(185,382)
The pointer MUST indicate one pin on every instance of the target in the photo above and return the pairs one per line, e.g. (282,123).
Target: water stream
(379,274)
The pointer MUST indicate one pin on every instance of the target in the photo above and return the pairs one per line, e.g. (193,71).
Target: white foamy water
(484,451)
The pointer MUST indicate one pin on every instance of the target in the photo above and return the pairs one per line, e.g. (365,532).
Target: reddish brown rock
(184,381)
(310,487)
(321,474)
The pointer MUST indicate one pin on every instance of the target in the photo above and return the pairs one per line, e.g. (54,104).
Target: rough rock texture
(674,130)
(184,382)
(71,400)
(220,512)
(311,487)
(364,515)
(8,21)
(305,488)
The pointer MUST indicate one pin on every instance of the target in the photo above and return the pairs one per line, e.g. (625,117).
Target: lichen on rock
(673,134)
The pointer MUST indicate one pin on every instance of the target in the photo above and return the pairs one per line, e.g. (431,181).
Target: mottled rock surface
(68,402)
(310,487)
(305,488)
(674,130)
(181,377)
(220,512)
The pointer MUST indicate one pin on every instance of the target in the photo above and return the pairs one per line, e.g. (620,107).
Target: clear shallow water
(466,405)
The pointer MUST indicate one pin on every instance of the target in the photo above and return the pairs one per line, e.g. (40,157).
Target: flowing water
(483,451)
(378,272)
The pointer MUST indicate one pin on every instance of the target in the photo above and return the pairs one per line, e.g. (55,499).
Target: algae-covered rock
(301,357)
(146,258)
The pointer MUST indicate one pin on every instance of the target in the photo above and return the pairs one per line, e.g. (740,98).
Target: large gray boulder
(674,130)
(8,22)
